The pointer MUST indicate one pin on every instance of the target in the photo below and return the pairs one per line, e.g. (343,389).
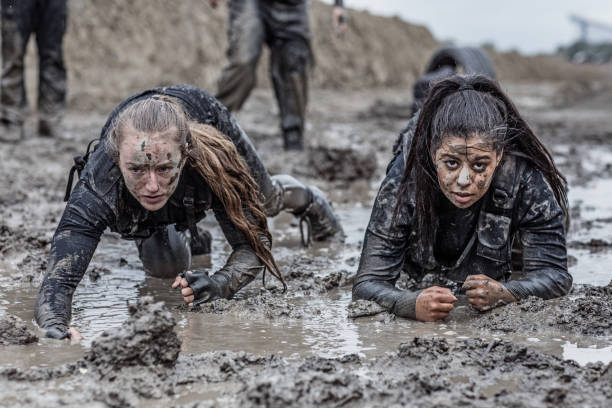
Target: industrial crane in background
(585,25)
(589,47)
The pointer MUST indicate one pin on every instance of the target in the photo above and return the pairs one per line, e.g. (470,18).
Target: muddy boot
(319,219)
(293,140)
(11,133)
(200,244)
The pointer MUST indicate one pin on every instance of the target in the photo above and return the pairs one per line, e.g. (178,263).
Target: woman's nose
(464,177)
(152,184)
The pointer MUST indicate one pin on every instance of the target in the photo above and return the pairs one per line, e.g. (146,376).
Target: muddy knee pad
(166,253)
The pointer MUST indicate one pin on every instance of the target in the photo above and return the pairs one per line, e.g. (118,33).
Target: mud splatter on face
(151,166)
(465,168)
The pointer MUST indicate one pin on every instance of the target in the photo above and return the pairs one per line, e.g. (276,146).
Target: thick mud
(13,330)
(311,345)
(140,360)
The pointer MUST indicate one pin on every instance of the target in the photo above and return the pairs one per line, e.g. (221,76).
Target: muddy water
(322,327)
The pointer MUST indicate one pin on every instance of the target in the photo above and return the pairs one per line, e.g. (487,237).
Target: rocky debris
(147,338)
(363,308)
(95,272)
(305,273)
(587,311)
(220,366)
(13,330)
(344,163)
(432,372)
(265,305)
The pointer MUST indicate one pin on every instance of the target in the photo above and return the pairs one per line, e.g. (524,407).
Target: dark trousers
(46,19)
(285,27)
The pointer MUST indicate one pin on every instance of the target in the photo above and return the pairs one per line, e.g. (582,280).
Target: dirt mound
(143,43)
(433,372)
(147,43)
(13,330)
(147,338)
(342,163)
(587,311)
(364,308)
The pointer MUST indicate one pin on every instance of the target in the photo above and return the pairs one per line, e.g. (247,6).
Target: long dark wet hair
(462,105)
(215,158)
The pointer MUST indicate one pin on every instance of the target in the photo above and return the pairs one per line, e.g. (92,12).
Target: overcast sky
(530,26)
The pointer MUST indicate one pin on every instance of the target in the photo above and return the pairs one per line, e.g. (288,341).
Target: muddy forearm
(74,242)
(70,256)
(243,265)
(399,302)
(241,268)
(545,284)
(544,263)
(542,237)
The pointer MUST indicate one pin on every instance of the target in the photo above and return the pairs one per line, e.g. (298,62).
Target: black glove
(206,288)
(57,332)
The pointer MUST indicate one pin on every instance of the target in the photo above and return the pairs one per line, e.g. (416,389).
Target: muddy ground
(309,346)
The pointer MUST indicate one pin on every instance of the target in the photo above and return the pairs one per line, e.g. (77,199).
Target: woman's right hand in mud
(434,303)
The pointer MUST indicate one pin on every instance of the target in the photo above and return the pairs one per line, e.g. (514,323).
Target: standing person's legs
(17,25)
(290,61)
(246,38)
(52,21)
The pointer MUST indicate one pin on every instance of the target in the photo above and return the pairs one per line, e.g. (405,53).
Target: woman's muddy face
(151,165)
(465,168)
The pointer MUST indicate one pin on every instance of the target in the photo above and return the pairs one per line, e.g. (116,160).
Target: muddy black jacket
(519,204)
(101,200)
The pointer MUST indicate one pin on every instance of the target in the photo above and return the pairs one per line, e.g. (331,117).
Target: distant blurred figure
(284,25)
(47,19)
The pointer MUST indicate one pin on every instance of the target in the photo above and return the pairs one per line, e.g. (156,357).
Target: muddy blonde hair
(215,158)
(157,114)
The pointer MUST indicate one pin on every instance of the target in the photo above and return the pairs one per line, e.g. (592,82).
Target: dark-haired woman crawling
(469,179)
(165,157)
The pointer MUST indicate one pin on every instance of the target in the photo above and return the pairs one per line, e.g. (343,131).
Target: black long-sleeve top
(101,200)
(467,242)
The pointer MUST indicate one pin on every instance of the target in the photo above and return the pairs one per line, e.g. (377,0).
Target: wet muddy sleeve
(75,240)
(384,248)
(542,236)
(243,265)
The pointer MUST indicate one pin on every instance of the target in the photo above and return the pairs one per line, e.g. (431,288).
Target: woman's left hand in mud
(485,293)
(186,291)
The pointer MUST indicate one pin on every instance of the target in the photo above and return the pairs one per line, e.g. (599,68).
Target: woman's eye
(479,166)
(451,164)
(164,170)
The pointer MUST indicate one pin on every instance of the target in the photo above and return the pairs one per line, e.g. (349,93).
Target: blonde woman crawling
(165,156)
